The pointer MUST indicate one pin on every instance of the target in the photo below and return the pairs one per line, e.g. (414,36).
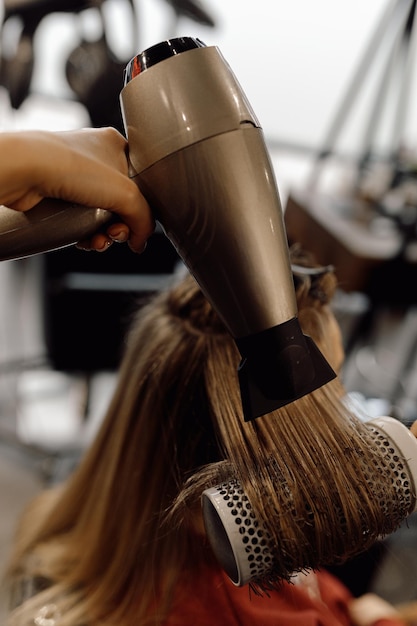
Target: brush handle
(50,225)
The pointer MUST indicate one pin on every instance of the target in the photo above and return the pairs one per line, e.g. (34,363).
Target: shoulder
(212,593)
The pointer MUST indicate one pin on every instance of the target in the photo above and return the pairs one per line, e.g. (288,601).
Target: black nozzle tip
(279,365)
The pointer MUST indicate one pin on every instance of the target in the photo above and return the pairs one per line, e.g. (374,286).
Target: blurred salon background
(334,86)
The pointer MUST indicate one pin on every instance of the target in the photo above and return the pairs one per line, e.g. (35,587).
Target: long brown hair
(101,545)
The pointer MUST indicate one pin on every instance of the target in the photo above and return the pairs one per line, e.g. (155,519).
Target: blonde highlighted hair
(100,549)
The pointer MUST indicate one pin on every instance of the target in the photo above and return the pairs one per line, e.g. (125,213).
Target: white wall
(294,59)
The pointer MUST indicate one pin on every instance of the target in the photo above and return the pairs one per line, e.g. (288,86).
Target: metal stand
(395,31)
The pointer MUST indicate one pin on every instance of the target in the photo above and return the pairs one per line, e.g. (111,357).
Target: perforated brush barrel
(242,543)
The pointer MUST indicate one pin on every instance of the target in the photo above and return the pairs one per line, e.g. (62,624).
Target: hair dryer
(198,154)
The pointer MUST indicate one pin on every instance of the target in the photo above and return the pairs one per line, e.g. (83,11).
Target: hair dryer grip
(50,225)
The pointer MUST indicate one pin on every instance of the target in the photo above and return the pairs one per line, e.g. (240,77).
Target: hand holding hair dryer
(198,154)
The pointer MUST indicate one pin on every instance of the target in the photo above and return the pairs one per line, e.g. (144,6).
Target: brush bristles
(322,489)
(330,499)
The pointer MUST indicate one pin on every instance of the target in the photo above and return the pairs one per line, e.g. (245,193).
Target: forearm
(78,166)
(18,166)
(87,167)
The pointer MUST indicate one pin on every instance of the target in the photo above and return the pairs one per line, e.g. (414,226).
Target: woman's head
(181,365)
(310,469)
(174,427)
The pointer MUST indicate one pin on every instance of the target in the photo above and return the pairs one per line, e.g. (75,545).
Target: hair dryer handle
(50,225)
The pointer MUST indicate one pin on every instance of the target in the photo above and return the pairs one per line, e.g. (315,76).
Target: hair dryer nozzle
(279,365)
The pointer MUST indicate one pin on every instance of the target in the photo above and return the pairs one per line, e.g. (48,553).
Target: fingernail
(119,237)
(139,250)
(104,247)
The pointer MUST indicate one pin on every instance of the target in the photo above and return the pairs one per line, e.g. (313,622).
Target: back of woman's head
(311,470)
(174,426)
(180,367)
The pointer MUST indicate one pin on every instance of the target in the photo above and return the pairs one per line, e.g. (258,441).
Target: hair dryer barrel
(198,154)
